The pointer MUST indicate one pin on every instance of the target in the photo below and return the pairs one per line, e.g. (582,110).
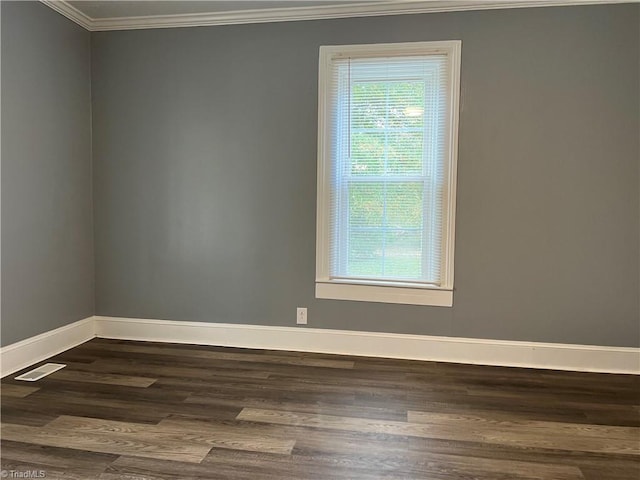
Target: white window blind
(386,166)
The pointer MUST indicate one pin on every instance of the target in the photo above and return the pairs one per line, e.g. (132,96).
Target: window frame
(371,290)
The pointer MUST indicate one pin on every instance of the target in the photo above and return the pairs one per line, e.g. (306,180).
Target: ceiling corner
(69,11)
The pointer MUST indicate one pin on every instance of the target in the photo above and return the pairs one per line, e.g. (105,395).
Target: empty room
(311,239)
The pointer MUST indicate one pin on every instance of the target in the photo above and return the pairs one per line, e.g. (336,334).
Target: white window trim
(405,293)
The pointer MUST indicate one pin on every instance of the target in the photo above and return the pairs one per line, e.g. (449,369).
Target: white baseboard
(22,354)
(555,356)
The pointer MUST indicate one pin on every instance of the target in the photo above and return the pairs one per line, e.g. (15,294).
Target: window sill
(385,294)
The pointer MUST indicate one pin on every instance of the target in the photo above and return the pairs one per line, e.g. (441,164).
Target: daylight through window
(387,164)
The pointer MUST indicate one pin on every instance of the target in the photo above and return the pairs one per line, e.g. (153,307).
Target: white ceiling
(119,9)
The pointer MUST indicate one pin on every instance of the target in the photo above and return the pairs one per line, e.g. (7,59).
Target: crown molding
(289,14)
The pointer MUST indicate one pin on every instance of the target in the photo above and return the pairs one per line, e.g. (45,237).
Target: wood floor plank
(126,406)
(489,423)
(176,359)
(119,443)
(552,395)
(84,390)
(611,472)
(542,408)
(106,378)
(267,385)
(347,409)
(212,434)
(161,369)
(231,464)
(19,391)
(526,439)
(23,460)
(56,457)
(22,416)
(308,361)
(464,406)
(403,454)
(55,403)
(377,465)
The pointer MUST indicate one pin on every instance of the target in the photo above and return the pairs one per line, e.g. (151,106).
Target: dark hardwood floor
(135,410)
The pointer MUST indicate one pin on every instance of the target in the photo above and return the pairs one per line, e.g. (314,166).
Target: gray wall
(205,158)
(47,232)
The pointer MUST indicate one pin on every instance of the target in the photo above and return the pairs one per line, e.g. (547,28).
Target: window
(387,150)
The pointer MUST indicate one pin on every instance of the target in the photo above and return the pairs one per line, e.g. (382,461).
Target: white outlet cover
(301,316)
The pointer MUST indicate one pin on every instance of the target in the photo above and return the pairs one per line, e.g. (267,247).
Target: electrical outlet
(301,316)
